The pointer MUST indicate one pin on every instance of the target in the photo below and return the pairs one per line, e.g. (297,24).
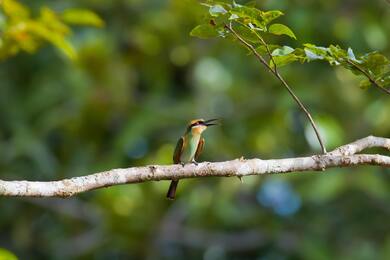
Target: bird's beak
(211,122)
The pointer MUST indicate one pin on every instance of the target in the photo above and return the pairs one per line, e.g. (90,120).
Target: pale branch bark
(344,156)
(362,144)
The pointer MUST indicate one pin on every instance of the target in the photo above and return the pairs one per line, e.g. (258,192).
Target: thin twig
(281,79)
(373,81)
(268,51)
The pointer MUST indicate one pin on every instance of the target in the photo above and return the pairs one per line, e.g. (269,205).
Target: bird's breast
(190,146)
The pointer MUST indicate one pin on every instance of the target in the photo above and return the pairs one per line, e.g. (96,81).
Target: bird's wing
(178,151)
(200,148)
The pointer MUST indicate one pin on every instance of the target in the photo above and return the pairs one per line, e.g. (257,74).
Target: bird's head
(197,126)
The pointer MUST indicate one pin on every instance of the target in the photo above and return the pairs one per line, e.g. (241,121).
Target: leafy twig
(281,79)
(267,49)
(372,80)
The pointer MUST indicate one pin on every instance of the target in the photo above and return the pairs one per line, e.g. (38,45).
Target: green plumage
(188,149)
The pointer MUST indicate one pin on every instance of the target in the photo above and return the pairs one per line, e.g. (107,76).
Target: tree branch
(362,144)
(344,156)
(369,77)
(284,83)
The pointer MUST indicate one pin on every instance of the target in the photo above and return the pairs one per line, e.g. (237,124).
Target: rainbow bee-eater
(189,147)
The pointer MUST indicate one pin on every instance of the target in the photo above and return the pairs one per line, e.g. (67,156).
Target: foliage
(374,65)
(21,32)
(253,25)
(6,255)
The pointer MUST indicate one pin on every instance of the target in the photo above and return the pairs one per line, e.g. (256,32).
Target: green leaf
(219,21)
(269,16)
(313,55)
(375,63)
(313,52)
(338,53)
(384,79)
(334,54)
(14,10)
(284,60)
(51,21)
(216,10)
(55,38)
(365,84)
(285,50)
(251,3)
(82,17)
(65,46)
(246,12)
(263,50)
(300,54)
(204,31)
(7,255)
(279,29)
(351,55)
(285,55)
(247,34)
(233,17)
(249,16)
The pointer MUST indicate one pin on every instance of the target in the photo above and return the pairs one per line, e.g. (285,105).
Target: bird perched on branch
(189,147)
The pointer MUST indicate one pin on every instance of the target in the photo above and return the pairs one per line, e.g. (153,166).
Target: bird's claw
(195,162)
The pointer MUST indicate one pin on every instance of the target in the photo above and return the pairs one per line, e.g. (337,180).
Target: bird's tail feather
(172,190)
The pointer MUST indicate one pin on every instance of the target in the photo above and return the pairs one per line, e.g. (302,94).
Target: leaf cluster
(249,21)
(22,32)
(374,66)
(254,26)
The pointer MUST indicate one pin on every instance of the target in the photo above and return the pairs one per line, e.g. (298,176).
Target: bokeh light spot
(138,149)
(211,75)
(280,197)
(180,56)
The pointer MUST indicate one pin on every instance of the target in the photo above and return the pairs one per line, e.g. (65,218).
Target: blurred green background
(126,100)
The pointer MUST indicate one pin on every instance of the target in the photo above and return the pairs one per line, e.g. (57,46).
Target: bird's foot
(182,164)
(194,162)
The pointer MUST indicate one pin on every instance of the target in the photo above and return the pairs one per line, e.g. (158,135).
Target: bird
(189,147)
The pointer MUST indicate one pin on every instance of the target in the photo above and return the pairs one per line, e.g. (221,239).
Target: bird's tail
(172,190)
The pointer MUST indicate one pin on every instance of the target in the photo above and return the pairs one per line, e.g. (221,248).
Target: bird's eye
(197,123)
